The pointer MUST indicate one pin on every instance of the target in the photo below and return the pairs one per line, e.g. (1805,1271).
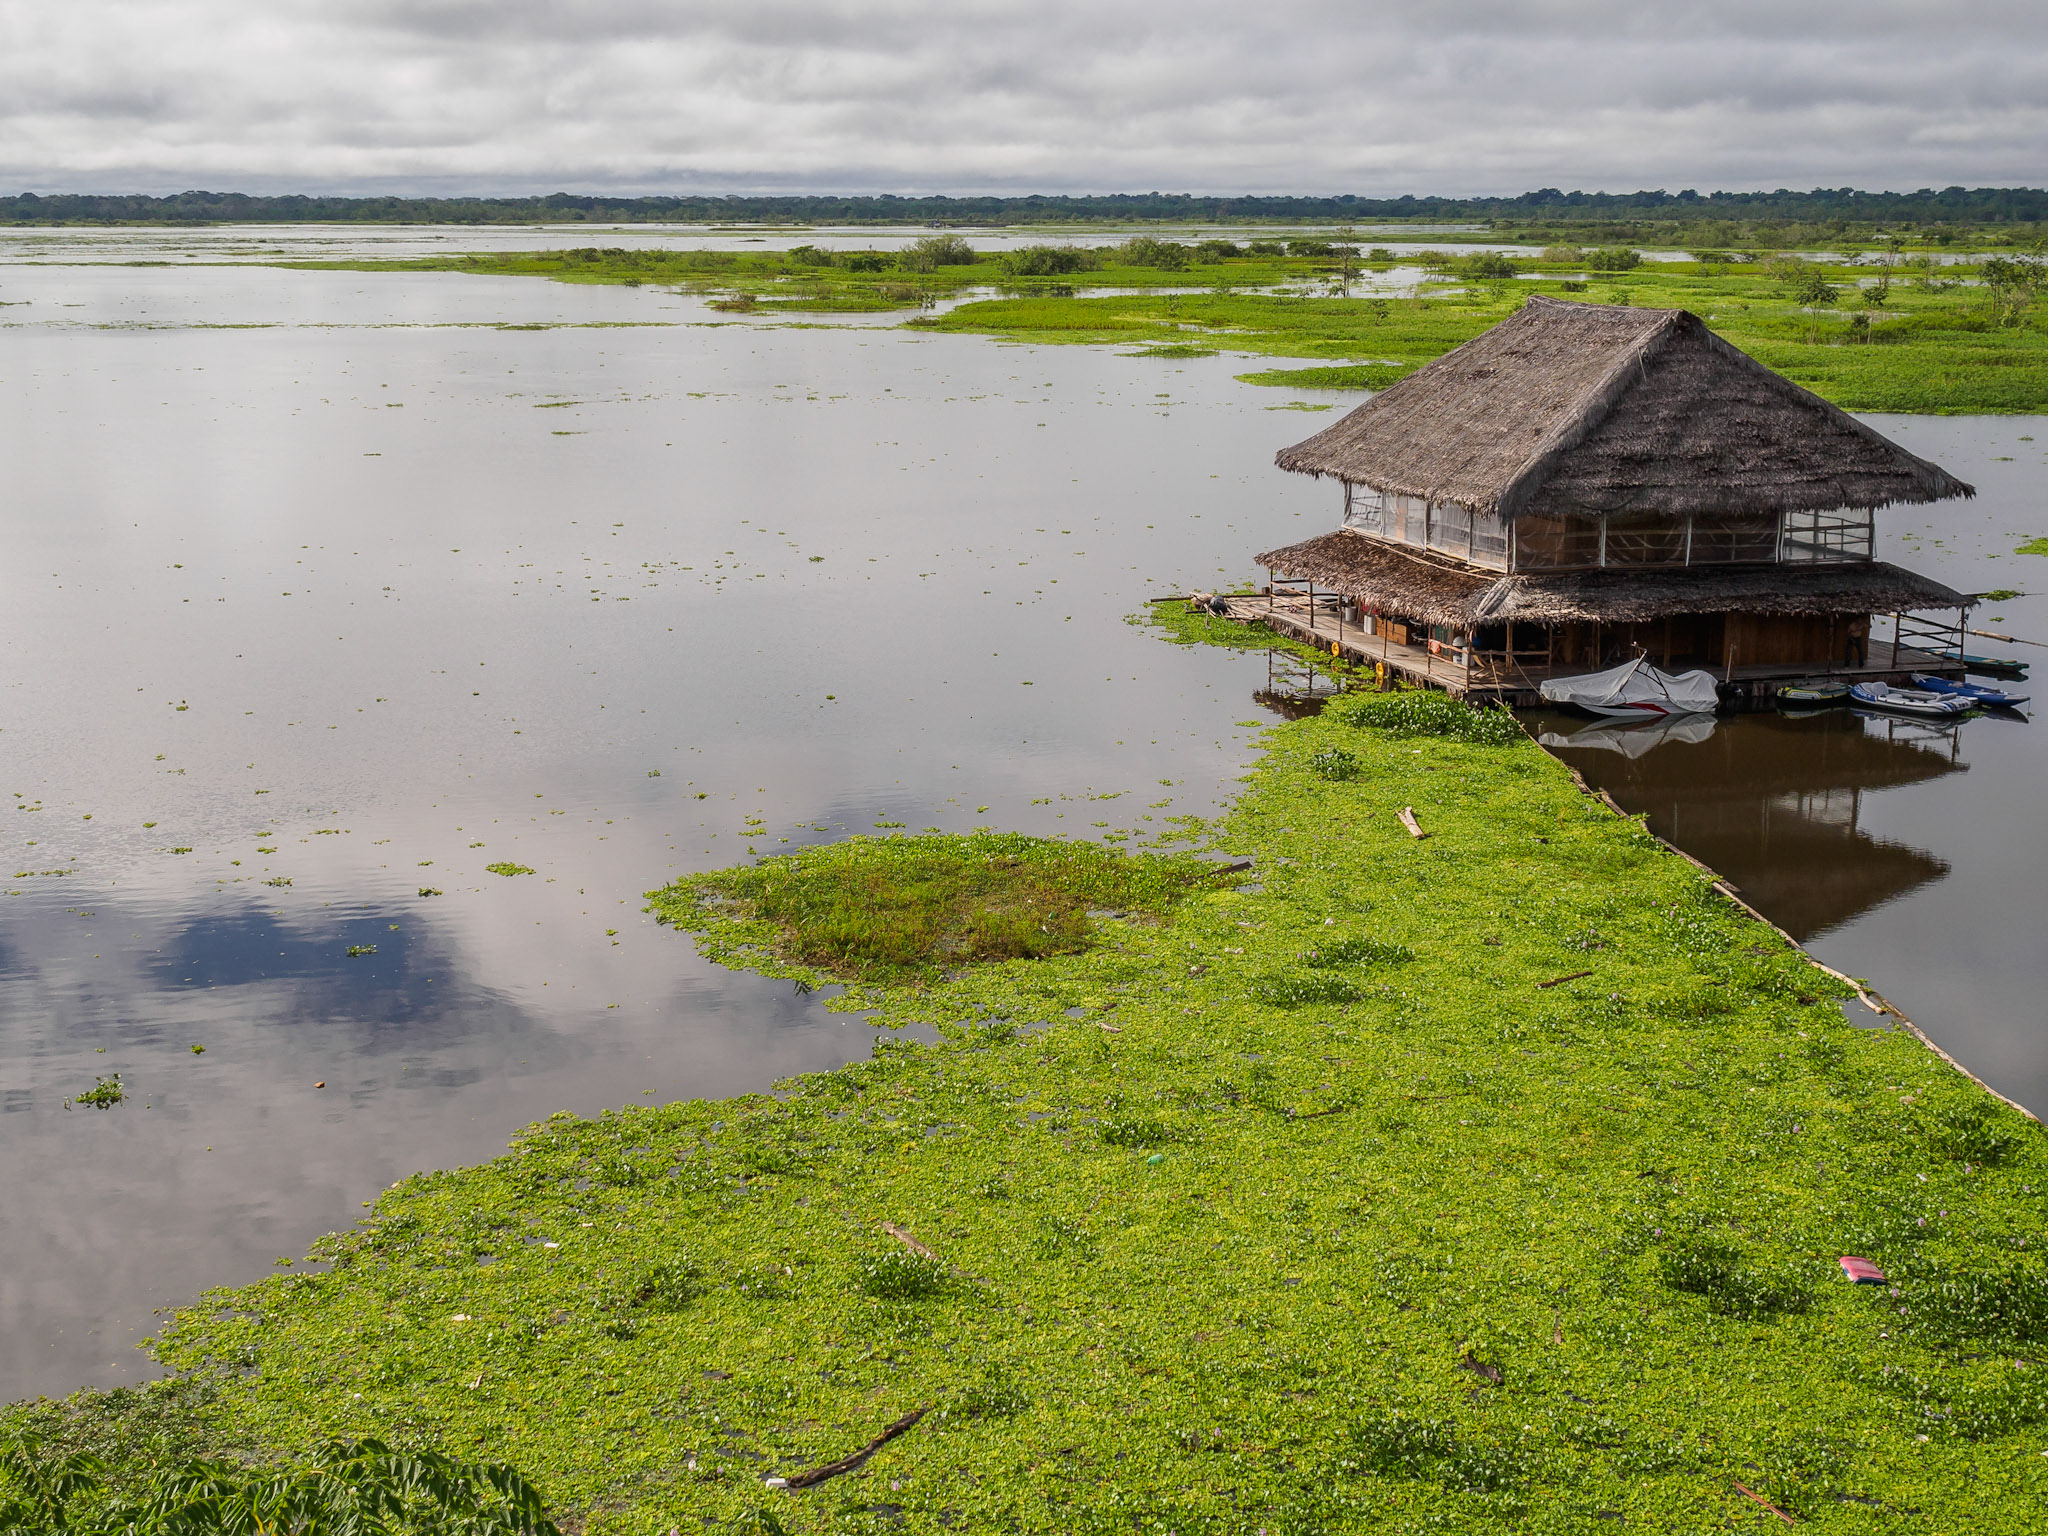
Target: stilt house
(1585,483)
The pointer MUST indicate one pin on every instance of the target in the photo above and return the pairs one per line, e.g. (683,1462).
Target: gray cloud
(1465,96)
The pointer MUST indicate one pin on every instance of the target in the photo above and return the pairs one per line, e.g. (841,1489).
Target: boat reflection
(1773,801)
(1634,740)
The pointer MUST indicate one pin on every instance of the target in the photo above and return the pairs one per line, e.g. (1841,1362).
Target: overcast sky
(1450,96)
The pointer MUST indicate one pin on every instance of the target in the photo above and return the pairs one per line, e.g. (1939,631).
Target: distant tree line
(1950,205)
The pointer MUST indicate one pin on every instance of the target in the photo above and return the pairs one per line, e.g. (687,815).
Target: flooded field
(328,593)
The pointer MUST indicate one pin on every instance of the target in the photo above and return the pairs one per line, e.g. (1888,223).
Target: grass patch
(906,908)
(1310,1202)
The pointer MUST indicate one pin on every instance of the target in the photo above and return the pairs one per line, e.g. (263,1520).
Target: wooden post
(1603,543)
(1898,622)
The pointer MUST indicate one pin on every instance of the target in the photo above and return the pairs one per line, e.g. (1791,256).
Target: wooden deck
(1492,682)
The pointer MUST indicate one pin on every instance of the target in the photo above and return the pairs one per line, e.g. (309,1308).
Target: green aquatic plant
(507,868)
(1426,712)
(906,906)
(105,1093)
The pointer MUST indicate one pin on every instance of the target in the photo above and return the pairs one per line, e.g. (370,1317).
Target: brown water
(330,579)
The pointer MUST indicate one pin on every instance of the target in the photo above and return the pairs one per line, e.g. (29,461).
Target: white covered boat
(1636,690)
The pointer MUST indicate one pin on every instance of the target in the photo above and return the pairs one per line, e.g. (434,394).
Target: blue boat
(1996,698)
(1988,666)
(1911,701)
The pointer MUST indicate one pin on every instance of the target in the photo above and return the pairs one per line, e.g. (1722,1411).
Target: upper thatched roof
(1587,409)
(1413,585)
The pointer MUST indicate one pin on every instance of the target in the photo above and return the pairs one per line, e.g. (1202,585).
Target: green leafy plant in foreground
(348,1488)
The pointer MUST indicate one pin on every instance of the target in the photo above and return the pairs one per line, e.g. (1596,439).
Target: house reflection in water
(1773,802)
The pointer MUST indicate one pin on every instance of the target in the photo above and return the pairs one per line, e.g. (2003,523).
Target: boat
(1635,690)
(1814,690)
(1911,701)
(1995,698)
(1988,666)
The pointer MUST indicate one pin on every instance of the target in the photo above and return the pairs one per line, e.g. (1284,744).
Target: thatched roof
(1585,409)
(1413,585)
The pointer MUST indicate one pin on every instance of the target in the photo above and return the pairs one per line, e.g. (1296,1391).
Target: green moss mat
(1308,1209)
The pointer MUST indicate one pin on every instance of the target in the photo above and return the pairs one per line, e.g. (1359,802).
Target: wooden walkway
(1491,682)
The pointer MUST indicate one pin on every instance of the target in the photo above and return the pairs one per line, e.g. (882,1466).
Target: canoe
(1989,666)
(1996,698)
(1635,690)
(1911,701)
(1814,690)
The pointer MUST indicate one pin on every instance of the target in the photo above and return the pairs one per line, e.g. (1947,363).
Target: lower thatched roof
(1415,586)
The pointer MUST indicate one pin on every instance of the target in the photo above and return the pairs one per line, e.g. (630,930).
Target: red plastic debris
(1862,1271)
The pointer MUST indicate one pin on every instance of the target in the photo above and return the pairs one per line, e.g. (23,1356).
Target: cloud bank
(1465,97)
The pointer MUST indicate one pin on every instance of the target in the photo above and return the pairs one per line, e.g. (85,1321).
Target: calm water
(324,589)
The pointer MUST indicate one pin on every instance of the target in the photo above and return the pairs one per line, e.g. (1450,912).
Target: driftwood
(1558,981)
(815,1475)
(909,1242)
(1227,869)
(1408,821)
(1766,1503)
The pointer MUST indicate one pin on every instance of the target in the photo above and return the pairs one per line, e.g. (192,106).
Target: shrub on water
(1297,991)
(1976,1131)
(1710,1265)
(2005,1308)
(1310,248)
(1489,266)
(1613,258)
(935,251)
(1335,763)
(669,1286)
(1141,1131)
(1145,251)
(1048,261)
(1425,712)
(900,1275)
(1217,250)
(1362,950)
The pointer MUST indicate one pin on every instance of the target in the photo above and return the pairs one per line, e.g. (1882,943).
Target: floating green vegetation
(1493,1180)
(357,951)
(909,908)
(2032,547)
(361,1488)
(105,1093)
(1885,329)
(506,867)
(1358,376)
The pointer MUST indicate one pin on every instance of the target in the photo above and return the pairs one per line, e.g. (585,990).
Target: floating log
(858,1459)
(1408,821)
